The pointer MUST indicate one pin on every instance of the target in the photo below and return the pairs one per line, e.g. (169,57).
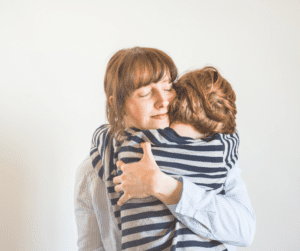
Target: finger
(120,164)
(117,180)
(118,189)
(124,198)
(147,149)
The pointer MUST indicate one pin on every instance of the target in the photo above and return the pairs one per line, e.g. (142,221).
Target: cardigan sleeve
(89,238)
(227,218)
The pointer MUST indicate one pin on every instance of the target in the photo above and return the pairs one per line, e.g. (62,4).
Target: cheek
(139,111)
(143,110)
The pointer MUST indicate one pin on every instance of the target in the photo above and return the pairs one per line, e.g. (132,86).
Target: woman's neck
(186,130)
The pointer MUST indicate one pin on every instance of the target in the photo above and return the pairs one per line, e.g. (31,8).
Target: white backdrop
(53,56)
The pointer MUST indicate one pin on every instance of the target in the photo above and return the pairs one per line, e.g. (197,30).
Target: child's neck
(186,130)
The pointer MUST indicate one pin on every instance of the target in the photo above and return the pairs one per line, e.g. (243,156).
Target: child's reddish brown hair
(206,101)
(128,70)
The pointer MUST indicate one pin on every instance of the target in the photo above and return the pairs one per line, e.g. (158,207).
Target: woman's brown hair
(128,70)
(206,101)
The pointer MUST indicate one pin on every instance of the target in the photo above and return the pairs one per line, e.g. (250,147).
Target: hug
(163,174)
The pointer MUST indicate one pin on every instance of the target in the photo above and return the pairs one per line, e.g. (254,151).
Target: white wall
(53,56)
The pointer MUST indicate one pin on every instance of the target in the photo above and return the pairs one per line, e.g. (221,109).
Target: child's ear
(219,127)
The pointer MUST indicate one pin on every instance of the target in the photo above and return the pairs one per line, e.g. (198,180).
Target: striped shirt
(147,224)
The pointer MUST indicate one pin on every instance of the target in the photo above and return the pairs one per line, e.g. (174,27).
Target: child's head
(206,101)
(128,70)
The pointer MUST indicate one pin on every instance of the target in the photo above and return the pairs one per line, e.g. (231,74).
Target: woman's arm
(227,218)
(87,227)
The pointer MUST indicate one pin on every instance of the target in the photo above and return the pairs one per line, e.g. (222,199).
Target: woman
(200,145)
(228,218)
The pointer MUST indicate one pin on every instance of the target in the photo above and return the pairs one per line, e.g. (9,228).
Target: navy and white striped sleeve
(228,218)
(98,148)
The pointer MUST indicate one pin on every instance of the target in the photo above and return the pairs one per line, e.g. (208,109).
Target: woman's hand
(144,178)
(139,179)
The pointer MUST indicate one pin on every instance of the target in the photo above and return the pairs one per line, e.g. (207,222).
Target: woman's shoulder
(84,168)
(85,172)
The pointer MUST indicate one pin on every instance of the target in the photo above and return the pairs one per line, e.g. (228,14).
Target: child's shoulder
(230,135)
(232,139)
(153,136)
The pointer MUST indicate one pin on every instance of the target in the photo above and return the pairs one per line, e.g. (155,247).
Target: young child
(201,145)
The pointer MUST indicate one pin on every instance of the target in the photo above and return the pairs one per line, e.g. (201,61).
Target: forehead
(165,80)
(149,76)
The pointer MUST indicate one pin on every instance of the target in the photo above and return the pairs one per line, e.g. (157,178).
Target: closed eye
(145,95)
(170,85)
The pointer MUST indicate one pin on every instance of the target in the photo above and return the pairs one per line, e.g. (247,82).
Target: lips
(160,116)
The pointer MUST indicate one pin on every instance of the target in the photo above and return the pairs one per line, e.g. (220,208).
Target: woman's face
(147,107)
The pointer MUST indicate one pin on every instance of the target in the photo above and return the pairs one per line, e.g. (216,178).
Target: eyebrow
(142,87)
(164,80)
